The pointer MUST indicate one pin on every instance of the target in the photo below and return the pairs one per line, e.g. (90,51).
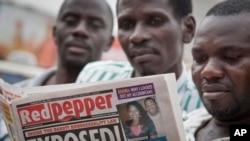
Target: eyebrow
(222,49)
(146,12)
(230,48)
(196,50)
(91,16)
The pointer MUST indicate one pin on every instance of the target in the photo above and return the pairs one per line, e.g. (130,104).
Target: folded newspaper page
(136,109)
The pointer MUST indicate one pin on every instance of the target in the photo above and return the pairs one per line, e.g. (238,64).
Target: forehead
(132,107)
(149,101)
(90,7)
(142,6)
(224,30)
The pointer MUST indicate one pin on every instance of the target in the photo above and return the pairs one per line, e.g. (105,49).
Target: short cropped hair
(149,98)
(181,7)
(230,7)
(105,2)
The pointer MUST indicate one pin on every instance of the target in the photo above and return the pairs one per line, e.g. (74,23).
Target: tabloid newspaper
(136,109)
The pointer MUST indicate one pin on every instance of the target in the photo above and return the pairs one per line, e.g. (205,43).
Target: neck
(216,129)
(177,69)
(220,123)
(63,76)
(156,113)
(135,122)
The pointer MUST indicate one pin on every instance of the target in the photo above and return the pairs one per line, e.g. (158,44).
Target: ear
(188,27)
(109,45)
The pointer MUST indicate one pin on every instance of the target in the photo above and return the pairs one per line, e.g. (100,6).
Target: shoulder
(185,84)
(3,129)
(104,70)
(36,81)
(24,83)
(105,65)
(189,96)
(194,120)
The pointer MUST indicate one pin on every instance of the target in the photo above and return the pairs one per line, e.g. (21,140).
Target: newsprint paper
(136,109)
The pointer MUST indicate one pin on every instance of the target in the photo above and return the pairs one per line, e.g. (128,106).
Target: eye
(232,55)
(96,24)
(156,21)
(126,25)
(199,58)
(70,20)
(231,58)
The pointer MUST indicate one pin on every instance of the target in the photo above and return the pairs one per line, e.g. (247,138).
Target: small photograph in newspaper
(142,120)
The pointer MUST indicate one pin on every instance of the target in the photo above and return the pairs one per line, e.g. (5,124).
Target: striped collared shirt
(110,70)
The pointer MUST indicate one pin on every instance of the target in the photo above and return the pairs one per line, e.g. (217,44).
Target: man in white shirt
(221,72)
(155,114)
(83,30)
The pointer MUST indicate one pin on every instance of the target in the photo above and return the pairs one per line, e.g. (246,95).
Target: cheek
(61,37)
(123,39)
(240,79)
(171,43)
(99,43)
(196,74)
(62,32)
(154,107)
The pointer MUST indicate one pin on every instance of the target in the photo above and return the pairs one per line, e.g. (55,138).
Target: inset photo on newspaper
(142,120)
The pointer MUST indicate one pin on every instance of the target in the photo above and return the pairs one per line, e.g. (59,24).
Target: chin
(148,73)
(222,113)
(75,64)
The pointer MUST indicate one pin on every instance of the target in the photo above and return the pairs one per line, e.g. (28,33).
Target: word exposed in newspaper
(124,110)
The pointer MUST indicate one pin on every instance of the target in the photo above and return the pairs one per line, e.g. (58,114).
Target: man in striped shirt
(111,70)
(152,34)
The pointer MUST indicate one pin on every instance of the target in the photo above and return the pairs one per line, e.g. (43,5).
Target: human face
(133,112)
(83,30)
(150,35)
(151,107)
(221,67)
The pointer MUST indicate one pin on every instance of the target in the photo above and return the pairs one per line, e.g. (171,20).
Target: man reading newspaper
(91,112)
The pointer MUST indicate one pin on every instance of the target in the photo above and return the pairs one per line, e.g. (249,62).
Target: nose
(139,34)
(81,30)
(212,69)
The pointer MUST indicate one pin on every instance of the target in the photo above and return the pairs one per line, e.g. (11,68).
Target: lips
(214,91)
(141,55)
(78,48)
(214,88)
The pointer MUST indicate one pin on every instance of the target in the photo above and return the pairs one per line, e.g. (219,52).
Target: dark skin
(220,71)
(82,32)
(152,37)
(151,107)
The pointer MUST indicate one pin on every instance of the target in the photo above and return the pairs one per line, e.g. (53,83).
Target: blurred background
(26,43)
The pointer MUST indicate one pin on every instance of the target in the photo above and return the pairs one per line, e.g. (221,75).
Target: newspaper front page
(136,109)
